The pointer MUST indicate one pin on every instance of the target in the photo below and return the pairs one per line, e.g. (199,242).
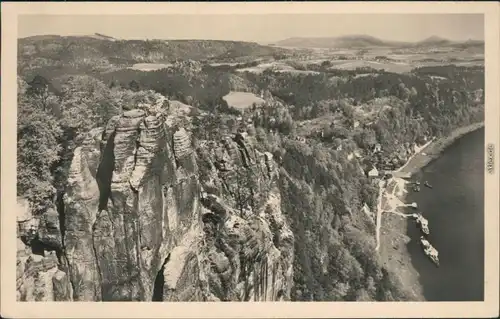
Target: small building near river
(373,172)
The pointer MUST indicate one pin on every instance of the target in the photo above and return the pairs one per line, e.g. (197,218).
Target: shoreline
(393,227)
(432,151)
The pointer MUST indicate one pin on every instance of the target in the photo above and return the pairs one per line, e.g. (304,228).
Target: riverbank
(393,226)
(434,149)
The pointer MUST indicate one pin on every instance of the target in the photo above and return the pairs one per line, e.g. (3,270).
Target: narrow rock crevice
(61,253)
(96,257)
(136,152)
(280,294)
(175,156)
(61,215)
(37,247)
(241,144)
(105,172)
(128,266)
(243,157)
(159,282)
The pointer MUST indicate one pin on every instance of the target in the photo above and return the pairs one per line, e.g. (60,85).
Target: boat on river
(426,184)
(423,224)
(416,188)
(430,251)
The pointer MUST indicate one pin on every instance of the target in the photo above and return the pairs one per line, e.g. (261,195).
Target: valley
(209,170)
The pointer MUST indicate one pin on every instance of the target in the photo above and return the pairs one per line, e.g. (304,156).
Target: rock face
(38,276)
(145,217)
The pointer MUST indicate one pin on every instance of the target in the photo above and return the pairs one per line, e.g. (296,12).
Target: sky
(258,28)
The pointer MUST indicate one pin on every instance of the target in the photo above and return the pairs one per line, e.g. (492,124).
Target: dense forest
(54,54)
(323,189)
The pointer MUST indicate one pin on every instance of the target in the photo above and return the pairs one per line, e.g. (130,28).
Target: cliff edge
(146,216)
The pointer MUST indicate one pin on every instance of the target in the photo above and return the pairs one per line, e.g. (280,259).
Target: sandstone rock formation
(145,217)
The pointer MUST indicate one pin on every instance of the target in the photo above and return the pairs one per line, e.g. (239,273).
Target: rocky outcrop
(49,232)
(144,217)
(252,247)
(81,204)
(182,144)
(39,243)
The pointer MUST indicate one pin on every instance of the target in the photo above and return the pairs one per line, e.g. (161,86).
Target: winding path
(379,216)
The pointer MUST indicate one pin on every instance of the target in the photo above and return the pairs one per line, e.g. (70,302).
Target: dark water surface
(455,210)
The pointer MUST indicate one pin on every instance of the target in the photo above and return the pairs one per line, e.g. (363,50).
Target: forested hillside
(57,54)
(321,130)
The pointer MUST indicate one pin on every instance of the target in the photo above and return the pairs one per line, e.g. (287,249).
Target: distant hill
(435,40)
(103,37)
(366,41)
(99,51)
(352,41)
(44,37)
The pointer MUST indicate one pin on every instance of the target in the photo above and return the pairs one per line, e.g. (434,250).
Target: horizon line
(249,41)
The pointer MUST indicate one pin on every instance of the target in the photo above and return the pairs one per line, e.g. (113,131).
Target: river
(455,210)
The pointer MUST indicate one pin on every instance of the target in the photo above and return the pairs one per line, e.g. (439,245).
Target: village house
(373,172)
(404,175)
(300,139)
(377,148)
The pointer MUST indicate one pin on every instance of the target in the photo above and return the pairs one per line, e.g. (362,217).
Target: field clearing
(469,63)
(242,100)
(377,52)
(362,75)
(457,63)
(224,64)
(307,127)
(408,58)
(445,56)
(398,67)
(435,77)
(340,62)
(394,67)
(276,67)
(311,61)
(344,51)
(264,66)
(298,71)
(372,109)
(149,66)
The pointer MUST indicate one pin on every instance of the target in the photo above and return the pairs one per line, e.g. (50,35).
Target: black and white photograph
(264,157)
